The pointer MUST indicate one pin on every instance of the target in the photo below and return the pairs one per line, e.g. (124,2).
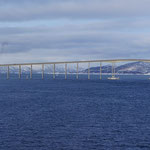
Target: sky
(65,30)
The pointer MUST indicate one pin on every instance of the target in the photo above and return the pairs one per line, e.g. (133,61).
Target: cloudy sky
(54,30)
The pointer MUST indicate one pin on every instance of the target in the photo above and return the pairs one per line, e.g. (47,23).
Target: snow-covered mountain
(129,68)
(134,68)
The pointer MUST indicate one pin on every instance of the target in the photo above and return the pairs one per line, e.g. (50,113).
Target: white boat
(113,78)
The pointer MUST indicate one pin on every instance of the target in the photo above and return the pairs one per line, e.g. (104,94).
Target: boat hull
(113,78)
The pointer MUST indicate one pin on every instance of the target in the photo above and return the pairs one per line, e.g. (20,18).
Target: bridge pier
(77,74)
(113,70)
(100,71)
(89,71)
(42,71)
(19,71)
(31,72)
(54,71)
(66,71)
(8,72)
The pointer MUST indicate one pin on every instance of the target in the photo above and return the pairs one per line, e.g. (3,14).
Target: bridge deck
(87,61)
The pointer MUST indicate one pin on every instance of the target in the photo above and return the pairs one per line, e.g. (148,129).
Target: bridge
(113,61)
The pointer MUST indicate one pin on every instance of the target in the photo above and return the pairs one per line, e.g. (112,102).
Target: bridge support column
(88,70)
(100,71)
(19,71)
(54,71)
(77,75)
(65,71)
(31,72)
(8,72)
(113,69)
(42,71)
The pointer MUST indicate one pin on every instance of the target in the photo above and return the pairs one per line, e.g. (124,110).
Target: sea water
(74,114)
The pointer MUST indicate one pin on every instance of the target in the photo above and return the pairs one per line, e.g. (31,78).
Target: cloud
(88,40)
(72,9)
(44,30)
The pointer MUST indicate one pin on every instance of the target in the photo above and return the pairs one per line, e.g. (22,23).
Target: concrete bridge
(113,61)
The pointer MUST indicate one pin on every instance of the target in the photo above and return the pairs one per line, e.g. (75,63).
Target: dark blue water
(75,114)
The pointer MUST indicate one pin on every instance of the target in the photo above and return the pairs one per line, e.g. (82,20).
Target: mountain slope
(129,68)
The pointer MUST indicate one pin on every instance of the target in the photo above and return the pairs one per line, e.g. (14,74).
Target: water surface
(75,114)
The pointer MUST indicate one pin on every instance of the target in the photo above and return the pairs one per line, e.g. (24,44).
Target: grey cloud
(73,9)
(133,25)
(84,29)
(76,40)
